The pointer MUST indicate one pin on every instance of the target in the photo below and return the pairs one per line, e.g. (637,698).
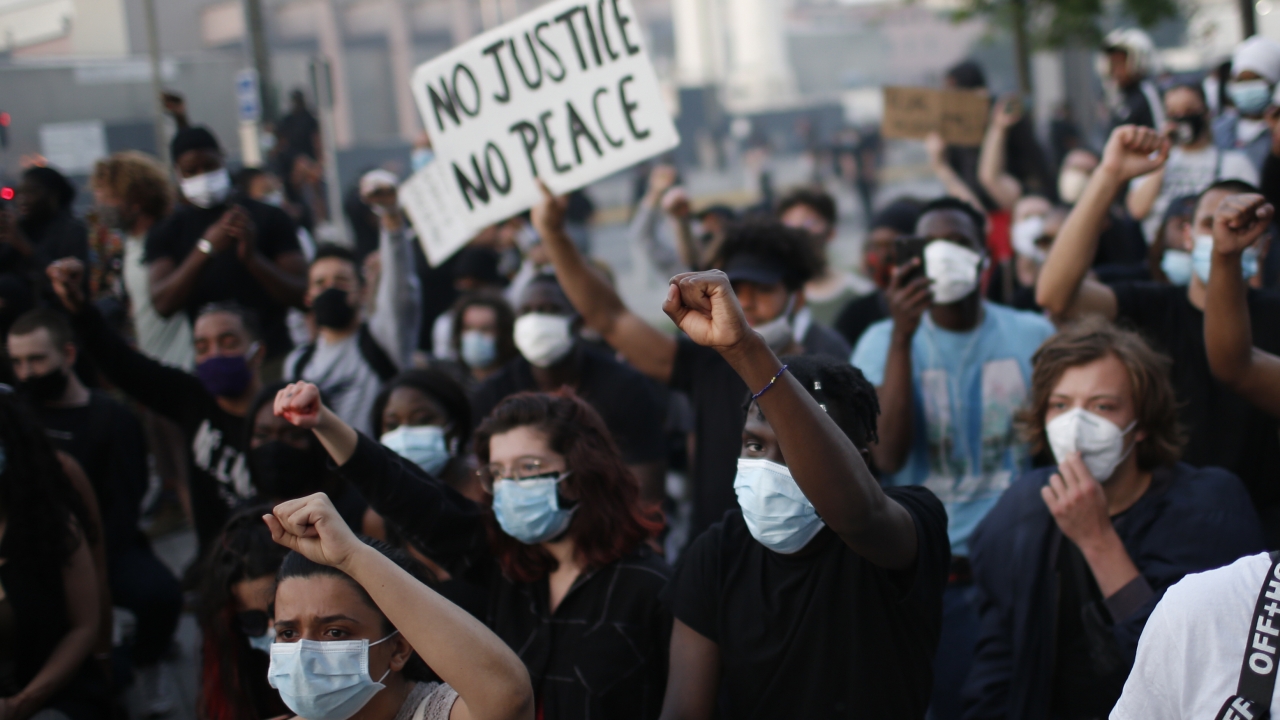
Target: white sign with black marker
(565,93)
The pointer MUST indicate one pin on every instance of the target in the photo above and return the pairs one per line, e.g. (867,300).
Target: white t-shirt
(428,701)
(165,339)
(1193,645)
(1189,173)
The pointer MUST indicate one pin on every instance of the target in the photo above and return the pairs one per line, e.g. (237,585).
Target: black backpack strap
(308,352)
(1252,700)
(373,354)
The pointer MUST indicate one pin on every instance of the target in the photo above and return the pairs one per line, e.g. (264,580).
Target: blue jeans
(955,650)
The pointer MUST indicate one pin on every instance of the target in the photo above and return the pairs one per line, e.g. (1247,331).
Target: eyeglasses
(524,468)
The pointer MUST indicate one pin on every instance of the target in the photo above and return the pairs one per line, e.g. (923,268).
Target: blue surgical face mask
(478,348)
(778,515)
(324,680)
(1176,265)
(1202,259)
(422,445)
(420,158)
(529,510)
(264,641)
(1250,97)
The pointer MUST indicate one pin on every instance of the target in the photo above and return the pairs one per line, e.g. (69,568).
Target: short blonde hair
(135,178)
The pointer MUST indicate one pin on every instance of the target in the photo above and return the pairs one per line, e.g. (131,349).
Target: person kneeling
(822,595)
(347,610)
(1072,560)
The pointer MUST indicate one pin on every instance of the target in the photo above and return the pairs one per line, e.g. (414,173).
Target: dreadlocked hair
(843,392)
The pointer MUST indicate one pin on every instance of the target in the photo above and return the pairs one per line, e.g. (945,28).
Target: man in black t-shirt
(217,247)
(106,439)
(822,596)
(768,265)
(1223,428)
(895,220)
(209,407)
(552,355)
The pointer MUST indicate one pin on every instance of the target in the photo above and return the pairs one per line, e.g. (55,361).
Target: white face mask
(543,339)
(1099,441)
(1071,184)
(953,268)
(207,190)
(778,515)
(1025,233)
(778,333)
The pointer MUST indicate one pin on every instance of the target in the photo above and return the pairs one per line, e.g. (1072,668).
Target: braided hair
(843,392)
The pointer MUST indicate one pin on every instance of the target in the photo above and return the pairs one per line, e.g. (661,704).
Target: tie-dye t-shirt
(968,388)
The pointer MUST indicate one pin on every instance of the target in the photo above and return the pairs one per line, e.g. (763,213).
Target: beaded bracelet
(773,380)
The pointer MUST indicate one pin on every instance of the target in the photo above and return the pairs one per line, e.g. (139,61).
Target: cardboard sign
(564,93)
(912,113)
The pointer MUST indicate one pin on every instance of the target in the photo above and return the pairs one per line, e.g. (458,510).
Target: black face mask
(44,388)
(332,309)
(1189,128)
(283,472)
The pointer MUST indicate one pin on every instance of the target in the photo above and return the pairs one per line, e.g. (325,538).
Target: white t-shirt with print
(1193,645)
(1189,172)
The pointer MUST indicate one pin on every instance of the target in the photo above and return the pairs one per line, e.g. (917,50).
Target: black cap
(192,138)
(753,269)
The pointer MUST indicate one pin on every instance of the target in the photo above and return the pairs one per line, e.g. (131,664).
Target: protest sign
(564,93)
(960,116)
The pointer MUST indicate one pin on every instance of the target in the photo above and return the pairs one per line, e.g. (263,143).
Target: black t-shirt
(107,440)
(224,277)
(629,403)
(218,467)
(719,409)
(1223,429)
(821,634)
(861,313)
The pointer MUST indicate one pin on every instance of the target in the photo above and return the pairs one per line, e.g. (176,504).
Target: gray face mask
(778,333)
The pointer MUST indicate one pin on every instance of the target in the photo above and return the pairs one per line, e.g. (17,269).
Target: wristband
(772,380)
(204,246)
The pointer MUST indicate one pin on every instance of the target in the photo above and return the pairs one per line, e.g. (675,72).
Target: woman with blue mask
(359,634)
(425,417)
(233,609)
(483,334)
(557,549)
(822,595)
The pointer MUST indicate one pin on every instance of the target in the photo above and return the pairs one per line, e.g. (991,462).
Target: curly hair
(47,519)
(843,391)
(1154,400)
(791,249)
(435,384)
(611,521)
(135,178)
(812,197)
(233,684)
(506,323)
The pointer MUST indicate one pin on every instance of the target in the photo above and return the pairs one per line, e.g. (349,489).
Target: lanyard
(1252,700)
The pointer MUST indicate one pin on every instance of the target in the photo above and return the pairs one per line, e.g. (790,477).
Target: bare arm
(80,589)
(648,349)
(823,460)
(693,678)
(1143,194)
(172,284)
(1062,288)
(908,301)
(999,184)
(951,182)
(1228,336)
(491,682)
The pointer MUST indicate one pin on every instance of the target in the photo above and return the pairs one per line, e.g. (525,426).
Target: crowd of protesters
(1025,464)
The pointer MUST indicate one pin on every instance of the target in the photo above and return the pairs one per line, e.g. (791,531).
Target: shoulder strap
(373,354)
(1252,700)
(308,352)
